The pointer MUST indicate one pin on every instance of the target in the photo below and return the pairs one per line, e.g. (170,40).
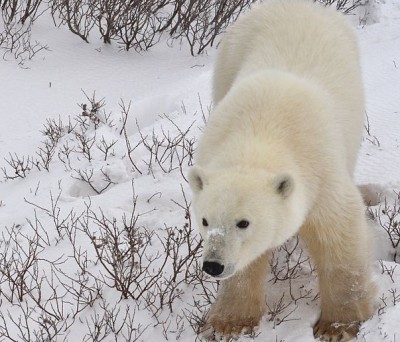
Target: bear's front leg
(240,303)
(339,244)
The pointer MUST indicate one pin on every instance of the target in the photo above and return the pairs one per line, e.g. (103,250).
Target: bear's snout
(213,268)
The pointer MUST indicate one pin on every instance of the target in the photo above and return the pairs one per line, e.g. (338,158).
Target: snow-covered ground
(63,217)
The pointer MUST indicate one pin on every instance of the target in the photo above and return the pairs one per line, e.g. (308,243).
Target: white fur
(288,101)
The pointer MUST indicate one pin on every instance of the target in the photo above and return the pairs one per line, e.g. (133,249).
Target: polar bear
(277,158)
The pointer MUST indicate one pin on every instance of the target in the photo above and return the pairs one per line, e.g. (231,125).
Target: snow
(215,232)
(169,91)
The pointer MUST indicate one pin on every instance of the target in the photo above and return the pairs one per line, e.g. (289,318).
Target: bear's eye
(204,222)
(243,224)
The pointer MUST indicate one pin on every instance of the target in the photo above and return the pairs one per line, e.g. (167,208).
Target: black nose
(213,268)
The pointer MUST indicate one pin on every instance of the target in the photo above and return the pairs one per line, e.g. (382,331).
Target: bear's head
(242,214)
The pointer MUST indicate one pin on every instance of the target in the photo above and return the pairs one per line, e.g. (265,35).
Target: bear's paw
(220,327)
(336,332)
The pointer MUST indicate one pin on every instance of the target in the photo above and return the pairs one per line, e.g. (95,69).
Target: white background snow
(168,87)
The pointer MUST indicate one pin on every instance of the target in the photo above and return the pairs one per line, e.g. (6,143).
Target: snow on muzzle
(216,262)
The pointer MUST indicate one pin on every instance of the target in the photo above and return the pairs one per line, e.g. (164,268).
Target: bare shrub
(20,166)
(113,321)
(78,15)
(388,270)
(388,217)
(18,262)
(46,152)
(166,150)
(98,185)
(84,144)
(139,25)
(370,137)
(133,24)
(125,261)
(169,152)
(106,147)
(345,6)
(27,324)
(130,265)
(391,297)
(289,263)
(17,18)
(125,110)
(15,40)
(19,10)
(200,22)
(122,253)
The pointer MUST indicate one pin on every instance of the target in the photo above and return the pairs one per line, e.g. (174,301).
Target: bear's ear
(284,184)
(196,179)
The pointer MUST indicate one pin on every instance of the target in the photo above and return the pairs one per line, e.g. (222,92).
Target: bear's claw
(215,330)
(336,332)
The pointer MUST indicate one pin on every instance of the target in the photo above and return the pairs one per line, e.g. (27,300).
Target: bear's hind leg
(240,303)
(339,244)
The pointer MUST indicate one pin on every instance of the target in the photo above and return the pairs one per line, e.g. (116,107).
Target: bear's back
(300,37)
(303,39)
